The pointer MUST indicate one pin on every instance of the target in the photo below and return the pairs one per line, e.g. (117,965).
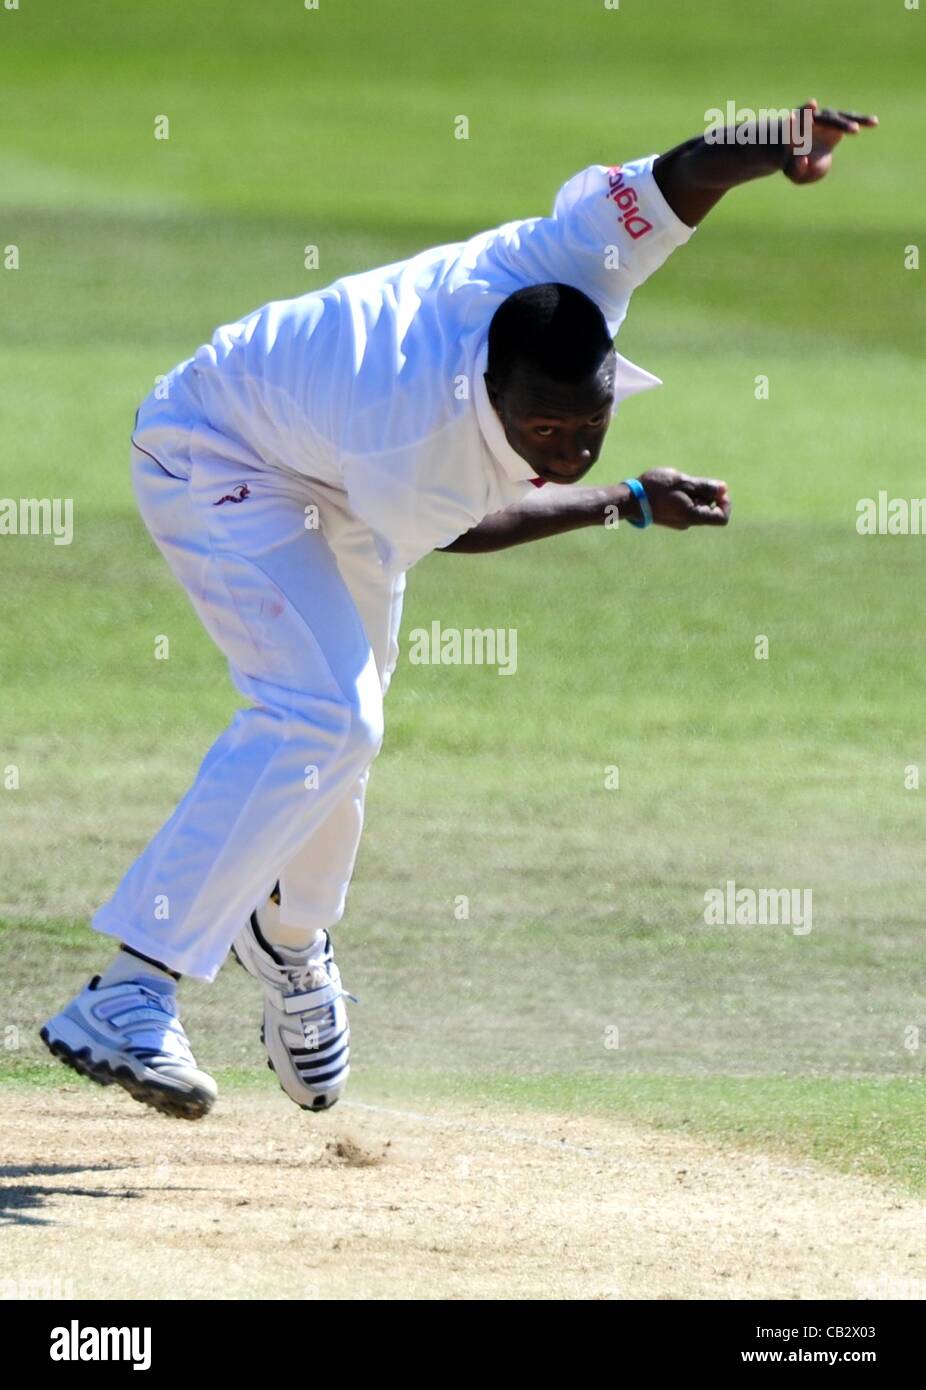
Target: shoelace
(314,975)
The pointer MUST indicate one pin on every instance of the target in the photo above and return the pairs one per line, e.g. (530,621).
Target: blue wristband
(646,511)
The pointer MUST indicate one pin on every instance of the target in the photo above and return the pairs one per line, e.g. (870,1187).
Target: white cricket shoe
(305,1028)
(130,1034)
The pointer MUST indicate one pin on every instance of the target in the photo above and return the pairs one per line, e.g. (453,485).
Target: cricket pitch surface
(259,1200)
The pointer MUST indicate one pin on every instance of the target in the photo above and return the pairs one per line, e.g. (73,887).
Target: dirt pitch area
(262,1201)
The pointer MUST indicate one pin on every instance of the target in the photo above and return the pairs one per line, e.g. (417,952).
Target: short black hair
(553,328)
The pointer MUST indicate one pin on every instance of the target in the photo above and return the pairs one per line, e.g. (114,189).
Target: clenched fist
(678,501)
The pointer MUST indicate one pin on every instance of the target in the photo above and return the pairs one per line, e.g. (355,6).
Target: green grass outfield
(335,128)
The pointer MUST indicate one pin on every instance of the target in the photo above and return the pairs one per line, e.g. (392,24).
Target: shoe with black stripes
(130,1034)
(305,1028)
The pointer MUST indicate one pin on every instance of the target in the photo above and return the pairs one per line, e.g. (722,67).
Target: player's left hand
(680,502)
(827,127)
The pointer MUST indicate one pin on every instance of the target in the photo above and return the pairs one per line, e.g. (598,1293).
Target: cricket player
(291,472)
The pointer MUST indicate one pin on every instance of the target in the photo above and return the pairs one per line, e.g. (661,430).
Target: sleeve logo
(628,204)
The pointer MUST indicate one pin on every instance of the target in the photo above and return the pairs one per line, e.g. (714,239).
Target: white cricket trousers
(309,623)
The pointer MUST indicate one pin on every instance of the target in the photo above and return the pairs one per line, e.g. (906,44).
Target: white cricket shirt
(375,384)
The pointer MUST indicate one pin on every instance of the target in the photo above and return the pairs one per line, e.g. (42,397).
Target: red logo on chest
(240,493)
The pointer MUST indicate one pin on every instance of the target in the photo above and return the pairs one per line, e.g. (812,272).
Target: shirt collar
(629,380)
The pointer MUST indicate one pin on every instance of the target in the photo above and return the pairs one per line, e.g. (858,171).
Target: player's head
(550,378)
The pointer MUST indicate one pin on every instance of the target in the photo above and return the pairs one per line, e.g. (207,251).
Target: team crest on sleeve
(628,204)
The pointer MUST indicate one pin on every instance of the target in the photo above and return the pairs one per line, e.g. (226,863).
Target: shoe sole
(312,1109)
(190,1105)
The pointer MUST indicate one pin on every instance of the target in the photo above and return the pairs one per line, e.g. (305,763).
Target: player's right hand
(680,502)
(827,128)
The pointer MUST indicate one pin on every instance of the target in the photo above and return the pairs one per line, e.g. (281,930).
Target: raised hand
(827,128)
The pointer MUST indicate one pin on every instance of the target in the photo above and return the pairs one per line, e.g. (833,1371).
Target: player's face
(557,428)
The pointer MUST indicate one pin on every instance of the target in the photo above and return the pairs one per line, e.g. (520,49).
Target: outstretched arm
(694,176)
(677,501)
